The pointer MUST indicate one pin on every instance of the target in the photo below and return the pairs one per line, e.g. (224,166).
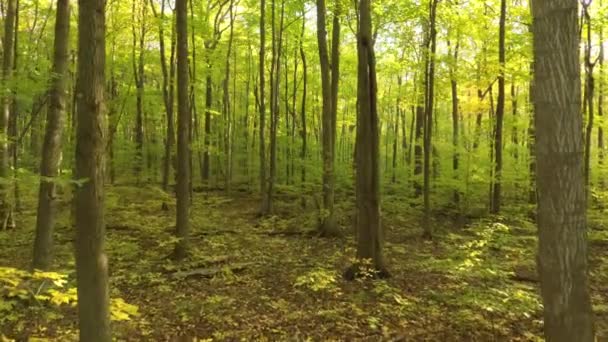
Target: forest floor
(251,278)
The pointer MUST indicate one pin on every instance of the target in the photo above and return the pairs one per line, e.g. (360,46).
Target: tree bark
(369,229)
(51,150)
(329,90)
(91,261)
(262,108)
(500,113)
(183,132)
(428,123)
(562,255)
(6,207)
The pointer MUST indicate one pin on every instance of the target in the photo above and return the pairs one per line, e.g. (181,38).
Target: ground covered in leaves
(251,278)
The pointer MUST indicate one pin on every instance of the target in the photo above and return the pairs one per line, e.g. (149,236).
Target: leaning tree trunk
(91,261)
(6,208)
(51,149)
(562,255)
(183,133)
(369,229)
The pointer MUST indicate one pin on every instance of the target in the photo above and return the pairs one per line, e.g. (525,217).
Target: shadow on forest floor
(266,279)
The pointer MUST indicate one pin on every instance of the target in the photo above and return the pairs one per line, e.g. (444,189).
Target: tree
(429,100)
(168,74)
(6,209)
(262,107)
(139,40)
(51,149)
(183,132)
(562,255)
(369,229)
(91,261)
(500,113)
(329,83)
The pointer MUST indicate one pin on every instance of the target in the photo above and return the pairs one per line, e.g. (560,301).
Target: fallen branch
(210,272)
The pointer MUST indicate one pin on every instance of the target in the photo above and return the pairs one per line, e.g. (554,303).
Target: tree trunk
(500,113)
(262,108)
(167,88)
(91,261)
(51,150)
(183,132)
(562,255)
(6,207)
(369,229)
(226,107)
(428,124)
(588,95)
(138,74)
(329,89)
(303,132)
(600,109)
(455,116)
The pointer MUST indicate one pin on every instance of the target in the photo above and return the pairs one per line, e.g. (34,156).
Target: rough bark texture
(91,261)
(51,149)
(562,255)
(369,229)
(183,132)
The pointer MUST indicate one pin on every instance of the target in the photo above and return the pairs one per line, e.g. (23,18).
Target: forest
(299,170)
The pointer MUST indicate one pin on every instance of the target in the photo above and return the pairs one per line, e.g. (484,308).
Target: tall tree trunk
(329,89)
(167,88)
(600,108)
(589,93)
(91,261)
(183,132)
(6,207)
(226,107)
(455,116)
(369,228)
(138,74)
(562,255)
(500,113)
(515,130)
(275,77)
(303,132)
(262,107)
(428,124)
(51,150)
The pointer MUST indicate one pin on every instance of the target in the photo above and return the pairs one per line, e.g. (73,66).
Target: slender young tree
(137,56)
(91,261)
(168,73)
(51,149)
(589,92)
(562,254)
(183,132)
(262,107)
(428,117)
(500,113)
(369,229)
